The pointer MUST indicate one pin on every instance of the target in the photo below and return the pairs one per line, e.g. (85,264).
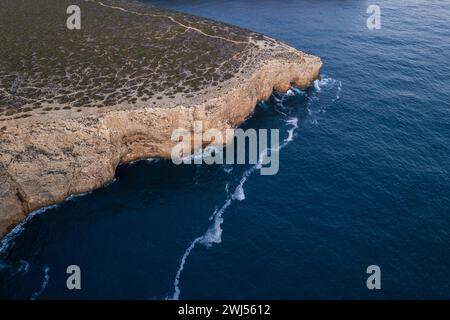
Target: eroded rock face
(76,103)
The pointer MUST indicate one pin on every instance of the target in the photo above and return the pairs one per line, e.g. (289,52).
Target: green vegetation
(117,57)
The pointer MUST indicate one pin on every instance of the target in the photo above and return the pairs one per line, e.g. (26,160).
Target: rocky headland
(74,104)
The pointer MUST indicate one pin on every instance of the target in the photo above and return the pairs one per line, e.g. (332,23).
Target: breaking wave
(330,85)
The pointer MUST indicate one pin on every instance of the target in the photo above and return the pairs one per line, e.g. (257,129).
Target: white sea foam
(290,93)
(238,194)
(24,266)
(317,86)
(77,195)
(110,183)
(214,233)
(294,125)
(150,160)
(281,112)
(8,240)
(202,153)
(186,254)
(213,214)
(326,82)
(43,285)
(131,163)
(276,98)
(297,91)
(339,91)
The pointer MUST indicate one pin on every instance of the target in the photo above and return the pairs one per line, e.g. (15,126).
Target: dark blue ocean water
(365,180)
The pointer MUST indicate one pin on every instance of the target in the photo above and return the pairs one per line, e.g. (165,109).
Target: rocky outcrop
(70,148)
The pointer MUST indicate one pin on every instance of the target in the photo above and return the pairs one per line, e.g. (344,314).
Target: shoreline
(45,158)
(149,145)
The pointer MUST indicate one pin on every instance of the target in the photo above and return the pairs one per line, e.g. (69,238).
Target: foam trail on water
(24,266)
(214,232)
(294,123)
(213,214)
(211,236)
(339,91)
(43,285)
(176,294)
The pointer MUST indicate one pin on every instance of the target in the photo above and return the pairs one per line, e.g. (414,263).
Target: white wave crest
(317,86)
(77,195)
(43,285)
(290,93)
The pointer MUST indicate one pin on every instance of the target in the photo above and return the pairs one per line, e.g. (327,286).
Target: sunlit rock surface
(76,103)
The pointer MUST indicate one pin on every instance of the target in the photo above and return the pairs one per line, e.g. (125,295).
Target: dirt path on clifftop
(76,103)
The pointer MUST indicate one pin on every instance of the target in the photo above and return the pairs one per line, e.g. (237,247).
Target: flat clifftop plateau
(76,103)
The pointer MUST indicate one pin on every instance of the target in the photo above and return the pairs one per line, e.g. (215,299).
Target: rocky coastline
(56,142)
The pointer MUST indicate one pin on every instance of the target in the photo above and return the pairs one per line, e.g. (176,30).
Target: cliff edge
(76,103)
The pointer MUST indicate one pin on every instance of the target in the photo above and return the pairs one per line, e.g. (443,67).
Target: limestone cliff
(76,103)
